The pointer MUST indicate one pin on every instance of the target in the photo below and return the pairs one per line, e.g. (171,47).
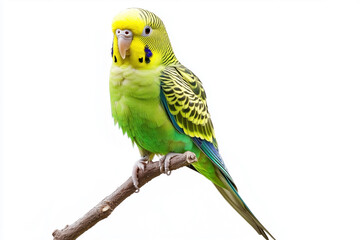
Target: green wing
(186,100)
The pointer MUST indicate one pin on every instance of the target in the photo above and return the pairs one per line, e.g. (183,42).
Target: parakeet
(161,105)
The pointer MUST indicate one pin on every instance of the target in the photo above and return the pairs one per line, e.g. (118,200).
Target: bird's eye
(147,31)
(117,31)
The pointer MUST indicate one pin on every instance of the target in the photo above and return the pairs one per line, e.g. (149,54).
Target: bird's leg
(140,164)
(164,162)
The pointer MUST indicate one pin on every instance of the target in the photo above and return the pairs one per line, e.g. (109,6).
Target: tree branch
(107,205)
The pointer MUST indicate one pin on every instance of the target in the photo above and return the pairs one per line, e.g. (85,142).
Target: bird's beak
(124,41)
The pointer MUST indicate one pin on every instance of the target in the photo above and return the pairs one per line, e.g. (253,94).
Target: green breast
(136,107)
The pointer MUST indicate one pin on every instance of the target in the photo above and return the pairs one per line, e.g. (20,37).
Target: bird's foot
(139,165)
(164,162)
(190,157)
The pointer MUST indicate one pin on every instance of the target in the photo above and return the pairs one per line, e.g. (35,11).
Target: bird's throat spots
(148,55)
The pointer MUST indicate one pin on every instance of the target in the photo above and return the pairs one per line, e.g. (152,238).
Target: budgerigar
(161,105)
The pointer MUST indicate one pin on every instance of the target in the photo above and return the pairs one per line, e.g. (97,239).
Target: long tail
(232,196)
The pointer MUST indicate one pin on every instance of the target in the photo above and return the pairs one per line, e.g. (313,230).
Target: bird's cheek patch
(148,54)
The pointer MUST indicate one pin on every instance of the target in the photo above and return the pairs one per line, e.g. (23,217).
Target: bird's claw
(190,157)
(164,162)
(140,164)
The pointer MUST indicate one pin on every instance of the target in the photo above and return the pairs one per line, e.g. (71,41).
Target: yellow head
(140,39)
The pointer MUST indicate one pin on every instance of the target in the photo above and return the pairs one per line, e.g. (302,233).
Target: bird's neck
(127,81)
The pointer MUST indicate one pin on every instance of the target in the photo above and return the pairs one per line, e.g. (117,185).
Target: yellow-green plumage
(186,99)
(136,107)
(161,105)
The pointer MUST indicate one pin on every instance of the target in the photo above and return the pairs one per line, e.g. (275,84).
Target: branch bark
(104,208)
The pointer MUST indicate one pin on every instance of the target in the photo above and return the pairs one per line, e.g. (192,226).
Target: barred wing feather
(184,99)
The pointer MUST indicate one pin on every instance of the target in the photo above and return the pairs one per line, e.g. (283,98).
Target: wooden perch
(107,205)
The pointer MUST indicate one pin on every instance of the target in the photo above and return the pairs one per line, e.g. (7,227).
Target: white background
(282,80)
